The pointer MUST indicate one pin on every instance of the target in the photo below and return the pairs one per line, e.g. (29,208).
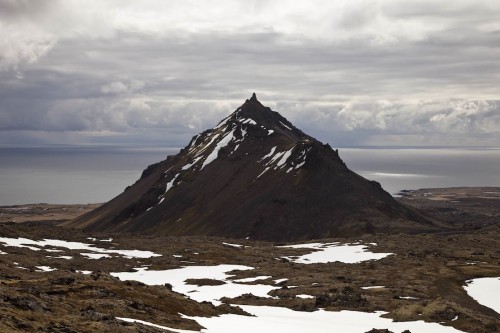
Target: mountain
(256,176)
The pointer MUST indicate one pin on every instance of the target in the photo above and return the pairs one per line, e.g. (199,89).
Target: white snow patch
(107,240)
(285,126)
(177,255)
(60,257)
(263,172)
(269,132)
(95,255)
(233,245)
(193,141)
(1,252)
(485,291)
(161,200)
(275,158)
(84,272)
(331,252)
(176,277)
(187,166)
(253,279)
(283,320)
(147,323)
(170,184)
(24,242)
(300,165)
(304,296)
(215,153)
(92,239)
(45,269)
(243,134)
(285,157)
(408,297)
(235,148)
(249,121)
(271,153)
(373,287)
(223,122)
(208,144)
(280,280)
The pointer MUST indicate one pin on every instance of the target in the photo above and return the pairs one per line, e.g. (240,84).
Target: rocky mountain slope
(255,176)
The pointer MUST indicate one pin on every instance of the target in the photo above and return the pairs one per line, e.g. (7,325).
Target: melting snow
(233,245)
(84,272)
(283,159)
(45,269)
(176,277)
(285,126)
(215,153)
(263,172)
(280,280)
(275,158)
(253,279)
(1,252)
(373,287)
(283,320)
(223,122)
(170,184)
(95,255)
(24,242)
(209,143)
(147,323)
(193,141)
(249,121)
(485,291)
(331,252)
(187,166)
(271,153)
(304,296)
(61,257)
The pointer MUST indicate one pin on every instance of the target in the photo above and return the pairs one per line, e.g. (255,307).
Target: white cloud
(346,71)
(114,88)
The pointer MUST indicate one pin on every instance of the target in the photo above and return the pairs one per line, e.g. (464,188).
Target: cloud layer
(158,72)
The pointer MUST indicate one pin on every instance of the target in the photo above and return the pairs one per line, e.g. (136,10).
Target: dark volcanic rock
(254,175)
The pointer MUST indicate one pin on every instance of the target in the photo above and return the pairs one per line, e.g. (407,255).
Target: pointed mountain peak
(253,175)
(254,97)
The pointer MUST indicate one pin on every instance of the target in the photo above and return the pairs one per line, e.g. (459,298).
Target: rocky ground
(423,280)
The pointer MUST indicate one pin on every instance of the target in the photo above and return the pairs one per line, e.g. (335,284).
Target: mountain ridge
(254,175)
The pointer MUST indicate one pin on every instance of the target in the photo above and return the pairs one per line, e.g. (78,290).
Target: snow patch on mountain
(187,166)
(284,158)
(215,153)
(285,126)
(170,184)
(271,153)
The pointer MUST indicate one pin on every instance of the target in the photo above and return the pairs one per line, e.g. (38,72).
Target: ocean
(96,174)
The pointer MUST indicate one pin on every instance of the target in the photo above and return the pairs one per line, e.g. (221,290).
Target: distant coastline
(66,174)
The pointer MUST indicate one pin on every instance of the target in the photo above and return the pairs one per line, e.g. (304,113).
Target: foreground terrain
(60,287)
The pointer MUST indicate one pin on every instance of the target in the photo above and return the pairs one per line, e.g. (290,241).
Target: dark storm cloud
(404,73)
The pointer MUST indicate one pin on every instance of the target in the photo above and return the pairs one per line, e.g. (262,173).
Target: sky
(157,72)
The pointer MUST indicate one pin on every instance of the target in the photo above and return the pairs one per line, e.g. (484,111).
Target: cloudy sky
(156,72)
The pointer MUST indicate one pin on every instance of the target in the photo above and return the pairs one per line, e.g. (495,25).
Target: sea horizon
(81,174)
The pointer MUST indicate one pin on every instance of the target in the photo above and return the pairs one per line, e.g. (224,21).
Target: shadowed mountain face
(254,175)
